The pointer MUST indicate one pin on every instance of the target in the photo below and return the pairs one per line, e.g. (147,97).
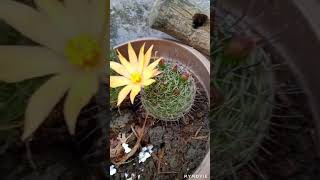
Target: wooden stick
(184,21)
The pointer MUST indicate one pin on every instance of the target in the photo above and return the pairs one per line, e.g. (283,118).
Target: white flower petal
(79,95)
(43,101)
(77,9)
(98,17)
(18,63)
(60,17)
(32,24)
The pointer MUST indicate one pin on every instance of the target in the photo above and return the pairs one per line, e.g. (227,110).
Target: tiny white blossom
(112,170)
(126,147)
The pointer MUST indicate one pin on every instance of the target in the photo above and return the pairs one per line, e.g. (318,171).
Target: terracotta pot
(296,23)
(198,64)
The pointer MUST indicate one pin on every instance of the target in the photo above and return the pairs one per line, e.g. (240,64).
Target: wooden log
(184,21)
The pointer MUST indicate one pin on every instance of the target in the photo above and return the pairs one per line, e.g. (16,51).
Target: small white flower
(112,170)
(126,175)
(126,148)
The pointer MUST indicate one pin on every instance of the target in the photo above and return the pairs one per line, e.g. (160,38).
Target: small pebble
(126,148)
(112,170)
(145,153)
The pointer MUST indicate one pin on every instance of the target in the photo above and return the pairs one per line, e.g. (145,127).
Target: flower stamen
(83,51)
(136,77)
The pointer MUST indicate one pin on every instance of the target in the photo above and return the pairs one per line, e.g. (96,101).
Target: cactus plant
(241,122)
(173,93)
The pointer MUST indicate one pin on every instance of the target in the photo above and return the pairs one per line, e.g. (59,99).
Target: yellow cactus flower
(71,38)
(135,73)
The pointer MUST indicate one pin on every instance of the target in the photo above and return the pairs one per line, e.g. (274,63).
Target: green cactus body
(113,92)
(114,97)
(172,95)
(240,123)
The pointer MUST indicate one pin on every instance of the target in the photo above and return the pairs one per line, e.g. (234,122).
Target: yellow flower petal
(120,69)
(123,94)
(18,63)
(79,95)
(156,72)
(134,92)
(150,73)
(154,64)
(147,74)
(147,56)
(132,55)
(139,72)
(125,63)
(43,101)
(148,82)
(32,24)
(118,81)
(141,58)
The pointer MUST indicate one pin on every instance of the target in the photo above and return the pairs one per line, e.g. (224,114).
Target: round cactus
(172,95)
(242,120)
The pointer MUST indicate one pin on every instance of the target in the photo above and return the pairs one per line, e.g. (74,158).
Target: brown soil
(179,147)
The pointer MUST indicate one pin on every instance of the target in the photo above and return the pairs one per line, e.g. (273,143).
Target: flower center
(136,77)
(83,51)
